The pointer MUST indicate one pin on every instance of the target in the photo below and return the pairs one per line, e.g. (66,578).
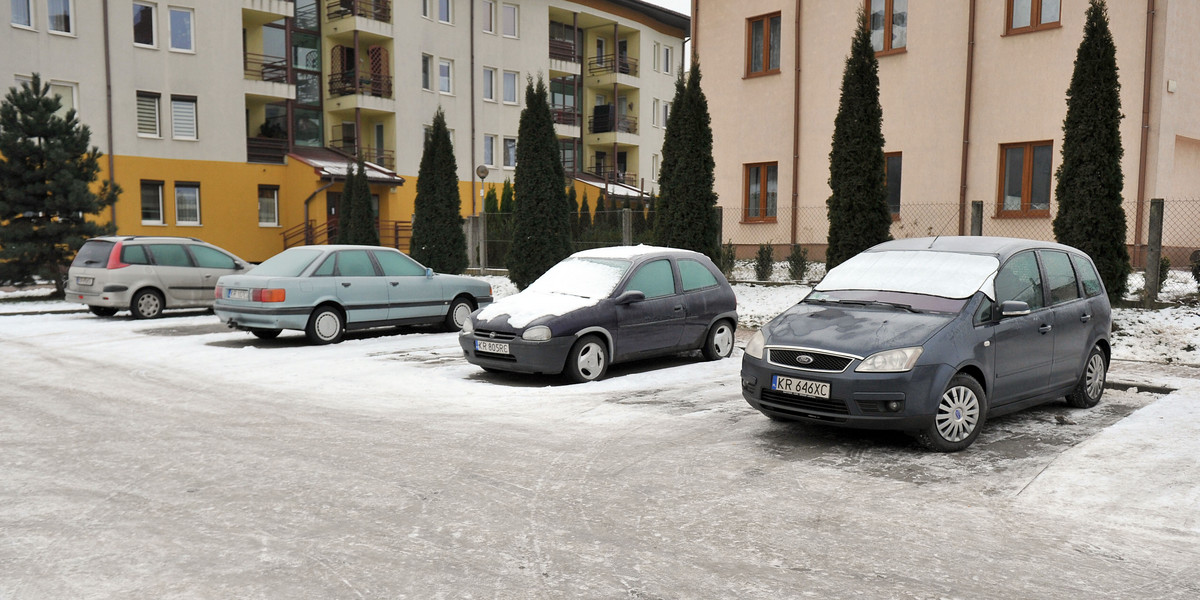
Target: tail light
(114,258)
(269,295)
(218,292)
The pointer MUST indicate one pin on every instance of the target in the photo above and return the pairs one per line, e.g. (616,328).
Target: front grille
(494,336)
(804,403)
(830,363)
(494,356)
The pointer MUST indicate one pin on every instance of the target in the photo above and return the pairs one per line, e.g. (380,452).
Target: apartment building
(973,96)
(235,121)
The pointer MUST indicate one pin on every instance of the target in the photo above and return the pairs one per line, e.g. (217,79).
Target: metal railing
(566,115)
(610,63)
(266,150)
(371,84)
(392,234)
(261,67)
(619,123)
(613,174)
(377,10)
(380,156)
(563,50)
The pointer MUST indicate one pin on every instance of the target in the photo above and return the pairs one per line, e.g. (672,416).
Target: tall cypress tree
(506,197)
(673,146)
(858,212)
(490,203)
(356,223)
(585,214)
(689,219)
(1090,180)
(438,240)
(541,227)
(46,172)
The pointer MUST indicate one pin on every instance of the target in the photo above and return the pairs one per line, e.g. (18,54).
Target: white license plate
(238,294)
(493,347)
(799,387)
(85,280)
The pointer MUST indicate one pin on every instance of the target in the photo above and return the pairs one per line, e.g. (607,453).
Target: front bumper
(524,357)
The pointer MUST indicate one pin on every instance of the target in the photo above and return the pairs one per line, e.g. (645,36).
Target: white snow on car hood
(944,274)
(523,308)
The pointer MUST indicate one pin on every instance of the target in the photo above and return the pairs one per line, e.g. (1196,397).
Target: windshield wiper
(899,305)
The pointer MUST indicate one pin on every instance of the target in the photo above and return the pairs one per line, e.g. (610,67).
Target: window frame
(489,150)
(505,154)
(763,168)
(516,21)
(667,67)
(1026,211)
(488,88)
(899,193)
(516,89)
(191,29)
(153,25)
(449,5)
(888,17)
(427,72)
(187,185)
(657,57)
(31,16)
(157,98)
(74,89)
(142,201)
(766,44)
(489,16)
(425,8)
(446,83)
(70,30)
(274,191)
(1035,18)
(195,115)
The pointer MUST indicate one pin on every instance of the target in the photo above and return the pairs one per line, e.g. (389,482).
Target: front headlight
(468,327)
(890,361)
(537,333)
(755,346)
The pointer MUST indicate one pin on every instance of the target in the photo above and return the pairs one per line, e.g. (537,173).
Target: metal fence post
(626,227)
(976,217)
(1153,252)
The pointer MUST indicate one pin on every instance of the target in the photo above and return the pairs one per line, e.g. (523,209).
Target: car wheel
(588,360)
(266,334)
(326,326)
(102,311)
(720,341)
(460,310)
(147,304)
(960,415)
(1091,384)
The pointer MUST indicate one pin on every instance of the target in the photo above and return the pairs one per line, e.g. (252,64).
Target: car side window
(170,255)
(209,258)
(355,263)
(326,268)
(395,264)
(983,314)
(1019,279)
(695,275)
(134,255)
(1087,276)
(654,279)
(1060,277)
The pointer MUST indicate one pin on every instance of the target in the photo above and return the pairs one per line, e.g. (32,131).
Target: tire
(961,412)
(719,343)
(266,334)
(1090,388)
(587,360)
(460,311)
(326,326)
(146,304)
(102,311)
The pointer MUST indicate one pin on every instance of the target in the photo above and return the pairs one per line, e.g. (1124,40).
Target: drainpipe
(1145,144)
(108,106)
(966,134)
(696,27)
(795,123)
(471,164)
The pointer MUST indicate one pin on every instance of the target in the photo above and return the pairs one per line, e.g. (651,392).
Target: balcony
(611,63)
(563,50)
(260,67)
(346,141)
(613,175)
(604,121)
(566,115)
(266,150)
(255,13)
(367,84)
(376,10)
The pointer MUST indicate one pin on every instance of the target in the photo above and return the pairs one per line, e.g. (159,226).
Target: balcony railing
(392,234)
(266,150)
(563,50)
(377,10)
(610,122)
(371,84)
(609,63)
(265,68)
(566,115)
(379,156)
(613,175)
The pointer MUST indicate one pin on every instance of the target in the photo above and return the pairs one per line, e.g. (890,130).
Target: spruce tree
(438,240)
(585,215)
(858,212)
(356,223)
(1089,179)
(573,217)
(601,220)
(689,219)
(46,173)
(541,227)
(490,203)
(673,146)
(506,197)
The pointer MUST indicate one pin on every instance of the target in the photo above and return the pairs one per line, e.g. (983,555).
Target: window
(187,203)
(144,30)
(893,164)
(444,11)
(510,21)
(489,149)
(22,13)
(1020,280)
(268,206)
(657,56)
(147,114)
(666,113)
(666,61)
(654,279)
(134,255)
(1025,180)
(889,25)
(60,16)
(181,30)
(65,92)
(654,113)
(211,258)
(152,208)
(762,45)
(489,84)
(489,16)
(654,167)
(395,264)
(762,187)
(1060,277)
(600,51)
(1031,15)
(170,255)
(1087,275)
(510,87)
(425,8)
(354,263)
(183,118)
(510,152)
(426,72)
(445,76)
(695,275)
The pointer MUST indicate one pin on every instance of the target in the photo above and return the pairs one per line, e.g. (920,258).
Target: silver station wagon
(327,290)
(935,335)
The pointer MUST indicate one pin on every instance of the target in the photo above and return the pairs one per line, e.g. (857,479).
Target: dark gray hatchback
(935,335)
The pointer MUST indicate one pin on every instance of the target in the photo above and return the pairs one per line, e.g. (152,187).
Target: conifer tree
(573,217)
(356,219)
(1089,179)
(506,197)
(46,173)
(689,219)
(601,220)
(491,204)
(541,225)
(858,212)
(673,146)
(438,240)
(585,214)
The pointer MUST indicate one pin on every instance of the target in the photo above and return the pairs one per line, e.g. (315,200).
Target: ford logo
(804,359)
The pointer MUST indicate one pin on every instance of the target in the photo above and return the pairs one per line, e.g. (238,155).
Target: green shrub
(798,262)
(725,260)
(764,263)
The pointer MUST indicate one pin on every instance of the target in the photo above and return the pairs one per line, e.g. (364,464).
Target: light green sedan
(328,290)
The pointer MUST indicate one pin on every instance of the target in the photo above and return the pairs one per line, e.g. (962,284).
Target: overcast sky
(679,6)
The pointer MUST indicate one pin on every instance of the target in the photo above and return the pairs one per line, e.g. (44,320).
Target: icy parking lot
(175,459)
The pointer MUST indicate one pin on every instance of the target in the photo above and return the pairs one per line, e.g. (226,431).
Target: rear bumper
(115,298)
(262,318)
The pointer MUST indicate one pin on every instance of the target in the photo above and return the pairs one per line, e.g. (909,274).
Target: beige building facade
(973,95)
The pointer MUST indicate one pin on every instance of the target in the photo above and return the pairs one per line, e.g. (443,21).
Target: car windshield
(289,263)
(93,252)
(584,277)
(924,272)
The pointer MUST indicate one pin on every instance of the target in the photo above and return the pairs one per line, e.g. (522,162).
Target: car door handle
(1085,317)
(394,283)
(346,284)
(678,308)
(1044,329)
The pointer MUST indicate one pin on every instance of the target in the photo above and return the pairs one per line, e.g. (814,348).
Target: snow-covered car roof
(629,252)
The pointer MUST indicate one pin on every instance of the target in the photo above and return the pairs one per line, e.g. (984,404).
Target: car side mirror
(1014,308)
(630,297)
(428,272)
